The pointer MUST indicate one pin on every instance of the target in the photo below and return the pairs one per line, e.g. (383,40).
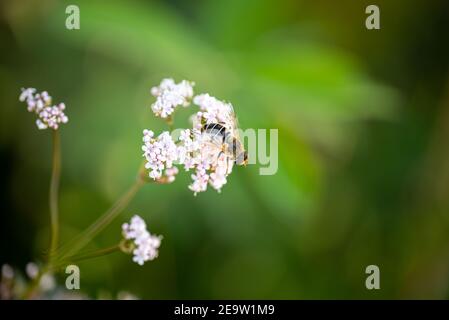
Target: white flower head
(7,271)
(160,153)
(170,95)
(197,149)
(145,244)
(49,116)
(213,110)
(32,270)
(47,282)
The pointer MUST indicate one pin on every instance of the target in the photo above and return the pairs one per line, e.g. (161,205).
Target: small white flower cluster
(7,271)
(32,270)
(170,95)
(213,110)
(160,153)
(188,147)
(47,281)
(11,282)
(40,103)
(146,244)
(214,166)
(15,285)
(196,149)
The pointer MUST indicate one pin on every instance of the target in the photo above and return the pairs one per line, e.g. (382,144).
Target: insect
(228,140)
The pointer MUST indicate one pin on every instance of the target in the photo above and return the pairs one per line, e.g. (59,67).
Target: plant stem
(54,191)
(88,255)
(83,239)
(54,210)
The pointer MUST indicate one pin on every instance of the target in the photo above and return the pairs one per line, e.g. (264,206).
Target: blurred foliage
(362,119)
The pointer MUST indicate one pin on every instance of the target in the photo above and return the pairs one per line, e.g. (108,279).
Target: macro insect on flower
(210,148)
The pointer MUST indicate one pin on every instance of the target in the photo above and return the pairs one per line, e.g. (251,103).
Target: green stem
(84,238)
(88,255)
(54,191)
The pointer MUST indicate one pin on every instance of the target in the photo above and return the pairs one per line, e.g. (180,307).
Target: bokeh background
(363,119)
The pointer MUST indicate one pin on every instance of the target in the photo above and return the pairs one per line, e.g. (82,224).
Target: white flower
(196,148)
(197,151)
(160,153)
(200,180)
(171,174)
(7,271)
(47,282)
(135,229)
(32,270)
(189,147)
(170,95)
(213,110)
(27,94)
(146,244)
(222,169)
(40,103)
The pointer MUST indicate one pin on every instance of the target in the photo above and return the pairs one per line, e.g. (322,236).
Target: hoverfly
(227,139)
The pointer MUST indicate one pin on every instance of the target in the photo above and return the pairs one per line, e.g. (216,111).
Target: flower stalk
(88,255)
(94,229)
(54,191)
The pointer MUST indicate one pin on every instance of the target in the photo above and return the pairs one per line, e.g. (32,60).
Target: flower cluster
(49,116)
(198,151)
(213,110)
(47,281)
(189,145)
(169,95)
(196,148)
(160,153)
(14,284)
(145,245)
(12,281)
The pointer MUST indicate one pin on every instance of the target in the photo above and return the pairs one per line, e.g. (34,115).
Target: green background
(363,120)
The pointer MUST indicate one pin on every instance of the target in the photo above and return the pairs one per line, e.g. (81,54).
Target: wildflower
(47,282)
(170,95)
(213,110)
(7,282)
(144,245)
(32,270)
(171,174)
(196,149)
(211,166)
(7,271)
(200,151)
(222,169)
(27,94)
(160,153)
(188,148)
(49,116)
(200,180)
